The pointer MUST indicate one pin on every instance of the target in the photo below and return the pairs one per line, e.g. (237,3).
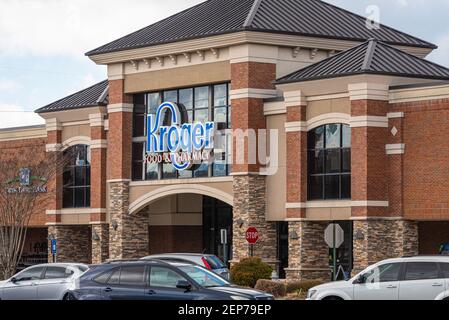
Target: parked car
(409,278)
(158,280)
(208,261)
(42,282)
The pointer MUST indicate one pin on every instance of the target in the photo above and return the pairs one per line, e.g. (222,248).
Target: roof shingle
(371,57)
(96,95)
(300,17)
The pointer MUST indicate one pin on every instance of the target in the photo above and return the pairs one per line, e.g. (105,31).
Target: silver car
(42,282)
(208,261)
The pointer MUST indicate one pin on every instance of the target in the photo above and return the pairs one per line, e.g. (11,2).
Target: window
(329,162)
(445,269)
(103,278)
(132,276)
(421,271)
(30,274)
(57,273)
(76,178)
(164,278)
(205,103)
(384,273)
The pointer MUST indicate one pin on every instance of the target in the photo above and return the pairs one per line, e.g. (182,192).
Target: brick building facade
(359,140)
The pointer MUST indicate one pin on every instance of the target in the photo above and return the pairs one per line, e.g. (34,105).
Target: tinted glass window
(57,273)
(76,178)
(384,273)
(164,277)
(445,268)
(132,276)
(421,271)
(115,277)
(31,274)
(215,262)
(103,278)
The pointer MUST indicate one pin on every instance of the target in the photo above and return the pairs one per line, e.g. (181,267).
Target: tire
(68,297)
(333,298)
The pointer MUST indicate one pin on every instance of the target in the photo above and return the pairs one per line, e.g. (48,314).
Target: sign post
(252,236)
(334,237)
(224,242)
(53,249)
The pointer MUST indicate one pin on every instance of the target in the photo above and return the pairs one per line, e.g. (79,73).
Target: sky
(43,42)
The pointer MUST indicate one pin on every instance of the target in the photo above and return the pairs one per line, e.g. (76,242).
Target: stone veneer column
(378,232)
(251,83)
(73,243)
(308,253)
(128,234)
(100,227)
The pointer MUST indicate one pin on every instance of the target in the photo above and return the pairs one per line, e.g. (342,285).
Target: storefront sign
(181,143)
(24,181)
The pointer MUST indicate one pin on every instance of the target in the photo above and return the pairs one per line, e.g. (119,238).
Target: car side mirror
(14,280)
(360,280)
(183,284)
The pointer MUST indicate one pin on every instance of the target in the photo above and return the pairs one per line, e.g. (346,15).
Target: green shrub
(302,286)
(276,288)
(249,270)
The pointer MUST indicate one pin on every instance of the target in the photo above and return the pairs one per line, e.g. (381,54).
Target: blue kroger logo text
(179,138)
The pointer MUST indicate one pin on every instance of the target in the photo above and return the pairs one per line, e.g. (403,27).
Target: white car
(414,278)
(42,282)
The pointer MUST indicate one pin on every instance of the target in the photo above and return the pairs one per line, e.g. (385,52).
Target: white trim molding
(98,144)
(398,148)
(157,194)
(73,141)
(419,94)
(395,115)
(53,124)
(328,118)
(369,121)
(247,93)
(368,91)
(294,99)
(97,120)
(75,211)
(53,147)
(296,126)
(120,107)
(118,180)
(274,108)
(335,204)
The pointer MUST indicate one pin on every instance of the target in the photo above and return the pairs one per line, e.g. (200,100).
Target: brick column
(308,252)
(296,133)
(73,243)
(128,234)
(251,83)
(379,232)
(100,228)
(53,147)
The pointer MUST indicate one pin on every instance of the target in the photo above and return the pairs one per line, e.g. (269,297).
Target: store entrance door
(217,216)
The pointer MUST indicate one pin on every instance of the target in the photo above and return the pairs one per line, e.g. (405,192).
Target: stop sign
(252,235)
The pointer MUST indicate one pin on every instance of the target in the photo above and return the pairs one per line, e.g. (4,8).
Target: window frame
(324,175)
(73,187)
(140,166)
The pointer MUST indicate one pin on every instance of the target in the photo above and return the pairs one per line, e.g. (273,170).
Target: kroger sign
(181,143)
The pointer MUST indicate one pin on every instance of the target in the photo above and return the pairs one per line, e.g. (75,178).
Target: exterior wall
(432,235)
(73,243)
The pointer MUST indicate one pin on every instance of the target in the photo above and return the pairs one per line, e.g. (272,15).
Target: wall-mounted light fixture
(294,235)
(114,225)
(240,222)
(95,236)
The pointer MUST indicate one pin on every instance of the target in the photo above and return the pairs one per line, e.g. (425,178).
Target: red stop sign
(252,235)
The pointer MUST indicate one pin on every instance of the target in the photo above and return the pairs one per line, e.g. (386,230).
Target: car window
(204,277)
(81,268)
(132,276)
(445,268)
(103,278)
(384,273)
(214,262)
(58,273)
(421,271)
(30,274)
(164,277)
(115,277)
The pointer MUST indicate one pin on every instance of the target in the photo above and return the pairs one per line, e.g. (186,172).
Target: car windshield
(82,268)
(215,262)
(204,277)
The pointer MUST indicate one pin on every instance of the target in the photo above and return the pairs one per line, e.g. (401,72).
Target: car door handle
(107,290)
(392,287)
(437,285)
(151,292)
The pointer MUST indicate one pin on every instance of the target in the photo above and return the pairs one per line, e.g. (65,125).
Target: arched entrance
(188,223)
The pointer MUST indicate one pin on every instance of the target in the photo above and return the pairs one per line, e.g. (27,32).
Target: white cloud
(67,27)
(16,116)
(8,86)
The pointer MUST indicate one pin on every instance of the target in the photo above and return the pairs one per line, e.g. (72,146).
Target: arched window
(76,178)
(329,162)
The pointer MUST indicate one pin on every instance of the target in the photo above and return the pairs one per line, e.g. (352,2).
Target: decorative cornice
(336,204)
(369,121)
(99,144)
(416,94)
(53,124)
(395,115)
(252,93)
(398,148)
(294,99)
(368,91)
(96,120)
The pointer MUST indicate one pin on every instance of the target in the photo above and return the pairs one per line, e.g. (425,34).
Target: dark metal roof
(96,95)
(371,57)
(300,17)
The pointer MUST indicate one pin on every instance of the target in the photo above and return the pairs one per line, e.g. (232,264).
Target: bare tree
(26,186)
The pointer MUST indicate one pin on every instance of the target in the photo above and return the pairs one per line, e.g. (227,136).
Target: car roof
(180,254)
(61,264)
(423,258)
